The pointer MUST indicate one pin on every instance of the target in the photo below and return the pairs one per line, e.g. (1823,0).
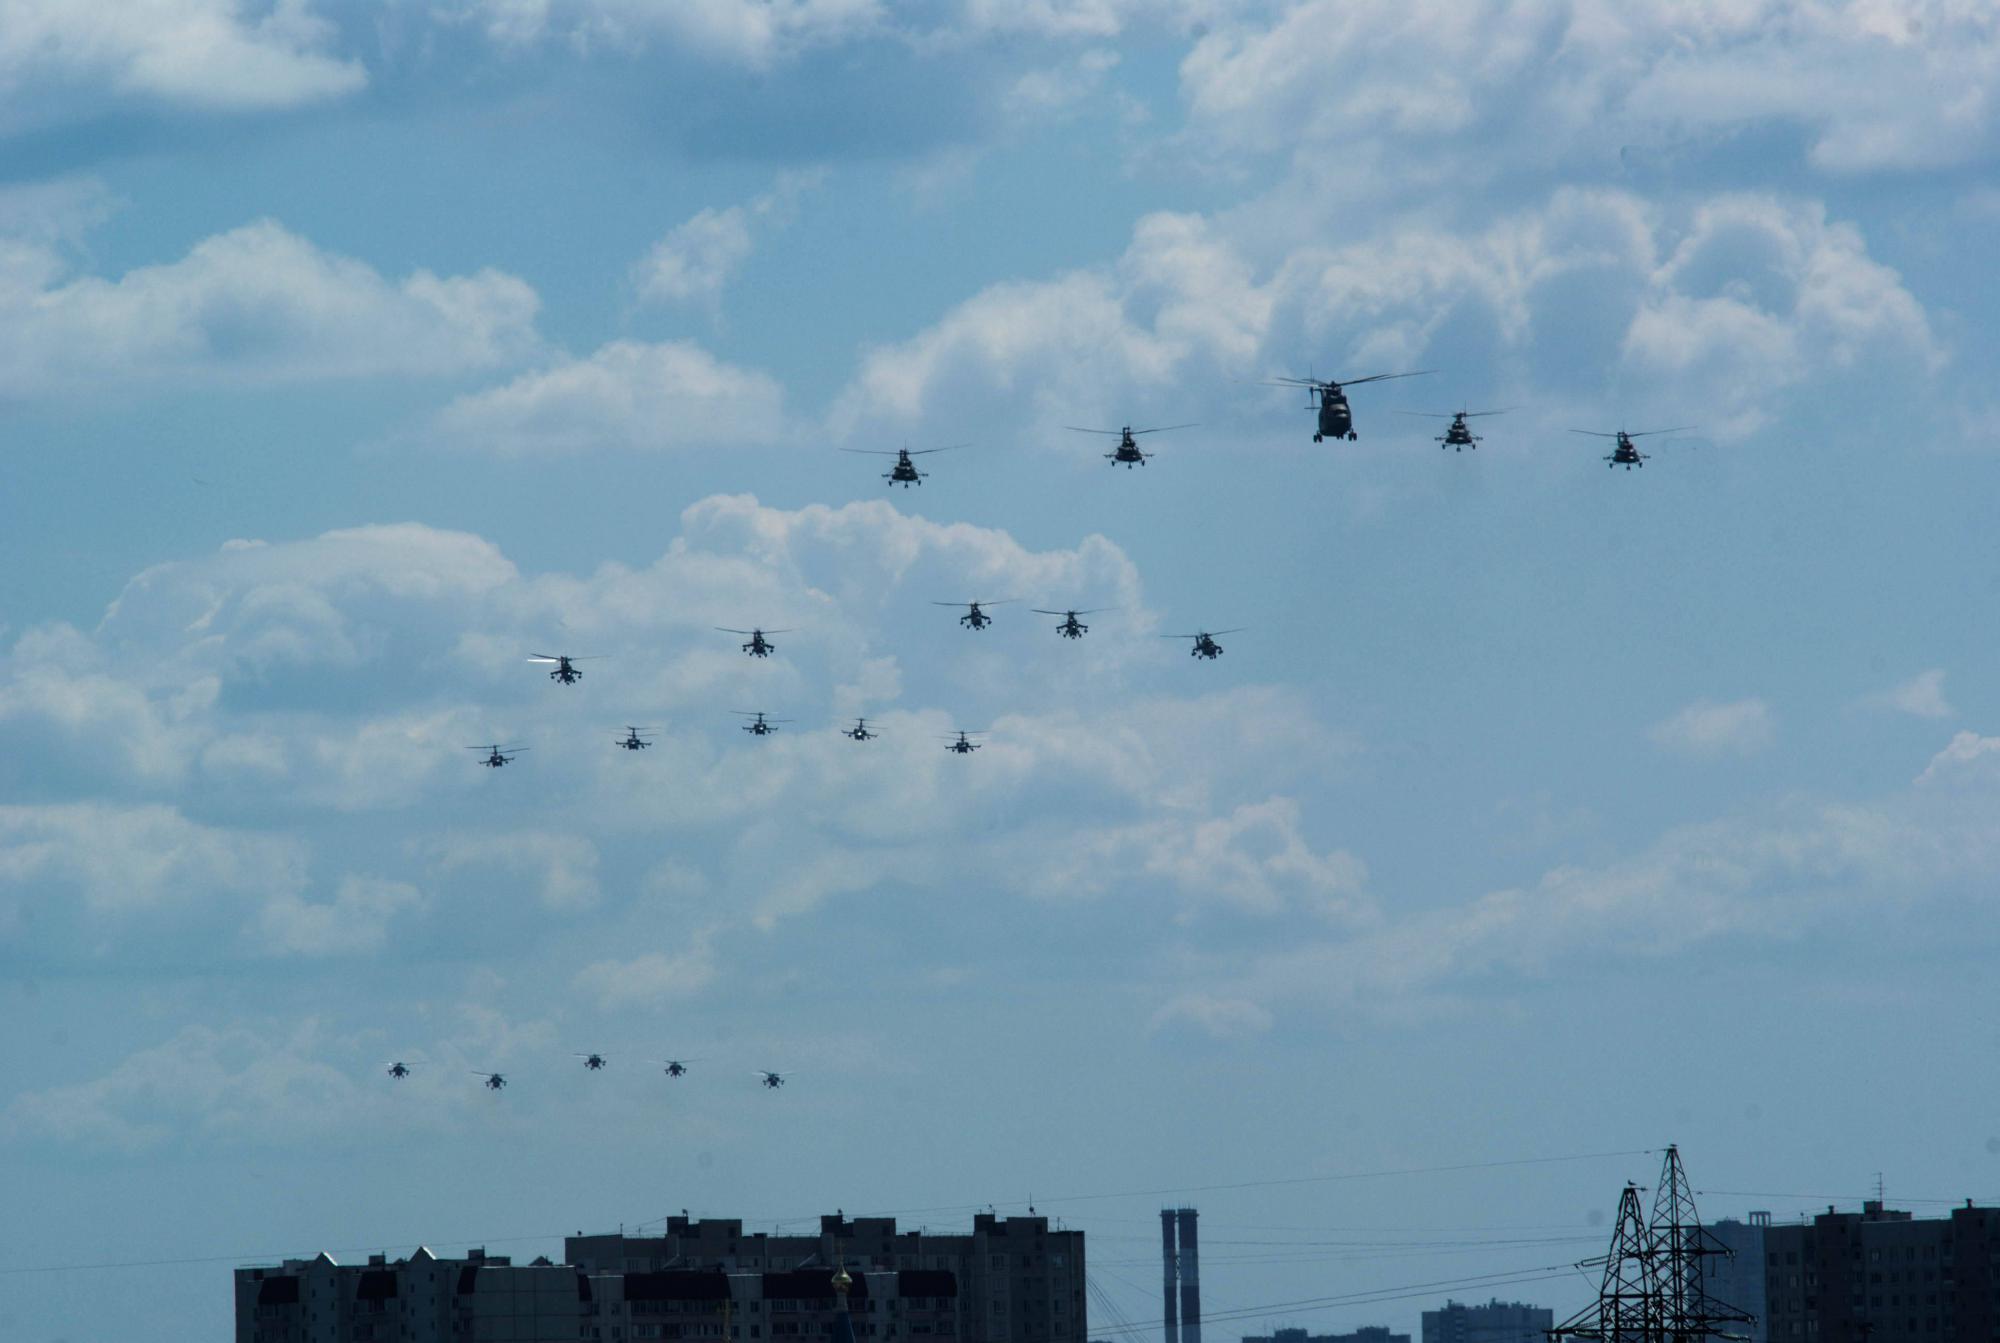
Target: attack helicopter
(759,646)
(498,755)
(859,732)
(759,725)
(905,472)
(678,1067)
(975,618)
(566,670)
(494,1081)
(962,744)
(1127,452)
(1071,627)
(591,1061)
(1624,452)
(1336,418)
(1205,645)
(1456,435)
(772,1081)
(399,1070)
(632,741)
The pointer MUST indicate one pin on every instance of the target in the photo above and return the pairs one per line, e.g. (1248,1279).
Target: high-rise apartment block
(1878,1274)
(1367,1333)
(1011,1281)
(1495,1322)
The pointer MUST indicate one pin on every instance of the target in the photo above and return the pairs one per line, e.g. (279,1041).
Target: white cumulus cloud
(1706,729)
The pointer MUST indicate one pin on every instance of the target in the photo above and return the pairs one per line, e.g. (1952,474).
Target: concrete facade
(1018,1281)
(1884,1276)
(484,1299)
(1495,1322)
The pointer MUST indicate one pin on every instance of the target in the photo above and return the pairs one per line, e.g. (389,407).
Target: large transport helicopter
(975,618)
(1336,418)
(1625,452)
(963,743)
(632,741)
(566,671)
(905,472)
(1071,627)
(1127,453)
(759,725)
(498,755)
(1205,645)
(759,646)
(1457,435)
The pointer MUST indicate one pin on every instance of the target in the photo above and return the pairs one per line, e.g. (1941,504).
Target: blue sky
(351,353)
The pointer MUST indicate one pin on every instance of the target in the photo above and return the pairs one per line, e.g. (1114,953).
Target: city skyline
(1538,814)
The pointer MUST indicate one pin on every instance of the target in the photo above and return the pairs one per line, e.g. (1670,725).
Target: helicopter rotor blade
(1192,424)
(1081,430)
(949,447)
(1594,433)
(873,452)
(1381,377)
(1677,429)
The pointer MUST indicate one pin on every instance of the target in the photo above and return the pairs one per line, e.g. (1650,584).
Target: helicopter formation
(1334,419)
(596,1062)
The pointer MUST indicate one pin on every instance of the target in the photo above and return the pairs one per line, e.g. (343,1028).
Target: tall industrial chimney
(1170,1273)
(1190,1274)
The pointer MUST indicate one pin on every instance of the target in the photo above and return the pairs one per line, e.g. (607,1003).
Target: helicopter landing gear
(1353,437)
(1319,438)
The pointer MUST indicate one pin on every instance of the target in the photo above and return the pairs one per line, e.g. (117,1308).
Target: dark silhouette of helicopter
(1336,419)
(1205,645)
(904,472)
(772,1081)
(974,618)
(591,1061)
(632,741)
(399,1069)
(566,670)
(1625,453)
(962,744)
(494,1081)
(498,756)
(1127,451)
(1456,435)
(859,732)
(759,646)
(759,725)
(1071,627)
(678,1067)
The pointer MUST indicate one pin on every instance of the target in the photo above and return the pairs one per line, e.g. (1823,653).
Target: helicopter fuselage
(1336,418)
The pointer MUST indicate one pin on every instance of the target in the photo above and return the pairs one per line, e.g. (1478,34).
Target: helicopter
(591,1061)
(963,745)
(566,670)
(759,646)
(1071,627)
(399,1070)
(1127,452)
(859,732)
(494,1081)
(1205,645)
(759,725)
(1336,419)
(974,618)
(632,741)
(498,756)
(1456,434)
(678,1067)
(772,1081)
(1624,453)
(904,472)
